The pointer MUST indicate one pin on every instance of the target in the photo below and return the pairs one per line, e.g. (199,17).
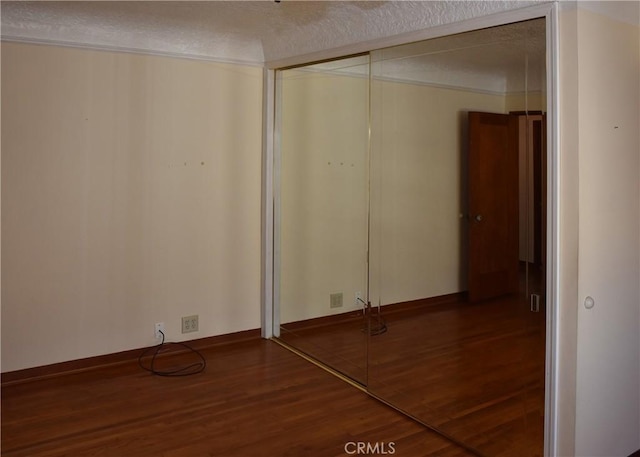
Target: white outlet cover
(159,327)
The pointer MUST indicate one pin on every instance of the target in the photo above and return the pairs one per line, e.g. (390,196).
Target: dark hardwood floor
(254,399)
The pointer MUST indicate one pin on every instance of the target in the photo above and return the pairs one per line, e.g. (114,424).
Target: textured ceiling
(238,31)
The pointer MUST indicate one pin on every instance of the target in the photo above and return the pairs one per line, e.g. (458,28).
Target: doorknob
(478,217)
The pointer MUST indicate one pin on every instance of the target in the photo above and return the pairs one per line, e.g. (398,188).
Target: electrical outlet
(159,328)
(335,300)
(190,324)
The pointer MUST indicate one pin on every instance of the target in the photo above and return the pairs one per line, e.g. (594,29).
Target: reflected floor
(339,342)
(473,371)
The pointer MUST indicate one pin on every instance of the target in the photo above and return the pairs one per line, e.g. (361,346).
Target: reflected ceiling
(505,59)
(499,60)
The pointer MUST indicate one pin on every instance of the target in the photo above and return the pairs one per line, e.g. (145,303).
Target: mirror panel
(322,235)
(533,189)
(459,354)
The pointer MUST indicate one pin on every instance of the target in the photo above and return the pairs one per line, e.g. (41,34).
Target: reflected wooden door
(493,205)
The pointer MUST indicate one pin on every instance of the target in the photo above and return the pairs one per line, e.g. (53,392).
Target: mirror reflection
(411,229)
(323,211)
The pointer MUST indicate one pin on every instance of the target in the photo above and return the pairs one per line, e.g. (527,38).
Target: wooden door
(493,205)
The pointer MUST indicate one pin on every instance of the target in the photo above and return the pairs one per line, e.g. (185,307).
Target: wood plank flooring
(475,371)
(254,399)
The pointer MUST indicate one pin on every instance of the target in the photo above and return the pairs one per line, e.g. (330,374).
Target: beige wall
(531,101)
(598,372)
(323,223)
(608,365)
(130,196)
(418,191)
(417,247)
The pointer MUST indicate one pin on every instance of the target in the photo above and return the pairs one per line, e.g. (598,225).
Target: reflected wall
(323,210)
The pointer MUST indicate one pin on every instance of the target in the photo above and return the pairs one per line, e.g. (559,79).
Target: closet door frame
(556,421)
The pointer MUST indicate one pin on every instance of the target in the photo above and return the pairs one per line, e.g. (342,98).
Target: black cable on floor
(188,370)
(378,329)
(373,330)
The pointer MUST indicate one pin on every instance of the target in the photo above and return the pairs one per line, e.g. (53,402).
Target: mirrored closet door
(410,229)
(322,212)
(456,270)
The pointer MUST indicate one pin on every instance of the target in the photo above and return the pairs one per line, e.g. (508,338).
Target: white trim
(276,160)
(550,12)
(553,231)
(127,50)
(267,277)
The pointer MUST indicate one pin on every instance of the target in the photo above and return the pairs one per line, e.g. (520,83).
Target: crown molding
(127,50)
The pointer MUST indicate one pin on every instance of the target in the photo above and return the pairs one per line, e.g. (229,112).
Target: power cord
(373,330)
(188,370)
(378,329)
